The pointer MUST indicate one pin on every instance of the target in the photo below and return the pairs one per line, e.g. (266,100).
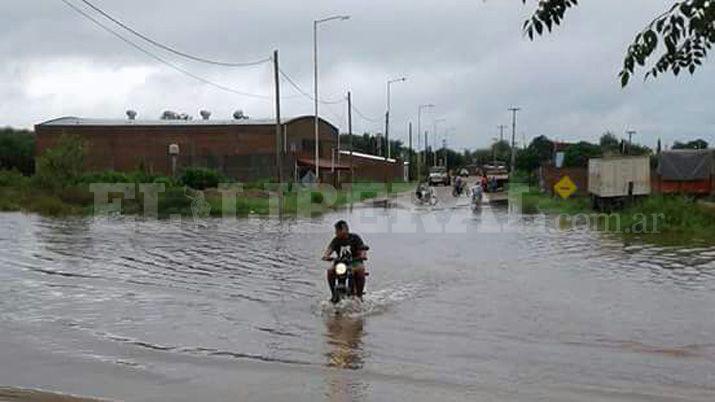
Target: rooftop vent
(131,115)
(205,114)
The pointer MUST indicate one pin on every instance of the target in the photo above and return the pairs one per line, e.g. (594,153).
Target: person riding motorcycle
(346,244)
(458,186)
(420,191)
(423,192)
(477,193)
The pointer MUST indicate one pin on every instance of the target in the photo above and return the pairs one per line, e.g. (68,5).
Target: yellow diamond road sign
(565,187)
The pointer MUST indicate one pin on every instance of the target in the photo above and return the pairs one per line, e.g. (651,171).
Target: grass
(20,193)
(663,218)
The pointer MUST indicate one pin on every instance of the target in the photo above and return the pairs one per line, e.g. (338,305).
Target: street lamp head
(402,79)
(333,18)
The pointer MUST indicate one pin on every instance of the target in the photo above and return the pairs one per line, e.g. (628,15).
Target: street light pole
(316,99)
(501,128)
(387,114)
(435,134)
(514,111)
(630,139)
(419,134)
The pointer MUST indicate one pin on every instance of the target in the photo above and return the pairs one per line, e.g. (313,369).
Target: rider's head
(341,229)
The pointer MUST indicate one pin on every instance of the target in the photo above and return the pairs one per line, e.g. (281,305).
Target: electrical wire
(304,93)
(364,117)
(171,49)
(160,59)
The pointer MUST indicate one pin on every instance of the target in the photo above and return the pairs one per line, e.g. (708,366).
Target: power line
(364,117)
(159,59)
(300,90)
(171,49)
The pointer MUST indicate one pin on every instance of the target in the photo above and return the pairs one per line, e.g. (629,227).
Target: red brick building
(241,149)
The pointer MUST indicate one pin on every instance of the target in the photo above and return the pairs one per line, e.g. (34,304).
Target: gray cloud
(468,57)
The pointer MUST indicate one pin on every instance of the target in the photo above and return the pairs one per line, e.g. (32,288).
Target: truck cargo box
(619,176)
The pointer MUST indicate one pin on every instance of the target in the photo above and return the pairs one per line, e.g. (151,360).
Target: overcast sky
(468,57)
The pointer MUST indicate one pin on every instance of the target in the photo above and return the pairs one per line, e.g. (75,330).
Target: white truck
(615,181)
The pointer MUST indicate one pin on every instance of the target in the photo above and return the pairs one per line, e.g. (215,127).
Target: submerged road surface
(460,306)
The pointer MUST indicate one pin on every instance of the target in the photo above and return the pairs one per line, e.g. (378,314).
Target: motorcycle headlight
(341,269)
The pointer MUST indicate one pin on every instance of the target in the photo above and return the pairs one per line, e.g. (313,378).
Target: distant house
(244,149)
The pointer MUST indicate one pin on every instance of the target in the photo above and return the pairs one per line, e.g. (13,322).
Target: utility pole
(426,149)
(630,139)
(435,133)
(409,155)
(444,147)
(494,150)
(419,135)
(501,132)
(387,114)
(514,111)
(279,132)
(350,132)
(316,96)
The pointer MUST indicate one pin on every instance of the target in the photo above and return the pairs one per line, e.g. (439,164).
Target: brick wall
(374,170)
(552,175)
(245,152)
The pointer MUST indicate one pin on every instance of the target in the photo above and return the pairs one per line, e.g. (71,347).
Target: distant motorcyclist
(458,186)
(346,244)
(421,191)
(477,192)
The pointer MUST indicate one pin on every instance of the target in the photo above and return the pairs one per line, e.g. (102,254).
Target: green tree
(17,148)
(543,148)
(682,35)
(610,144)
(502,151)
(63,164)
(482,156)
(577,155)
(527,160)
(697,144)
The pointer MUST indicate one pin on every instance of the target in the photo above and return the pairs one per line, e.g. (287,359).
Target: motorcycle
(425,197)
(345,286)
(460,189)
(476,200)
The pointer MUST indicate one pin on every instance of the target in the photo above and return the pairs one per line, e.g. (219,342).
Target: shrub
(17,150)
(63,164)
(167,181)
(49,205)
(316,198)
(104,177)
(76,195)
(174,201)
(12,178)
(200,178)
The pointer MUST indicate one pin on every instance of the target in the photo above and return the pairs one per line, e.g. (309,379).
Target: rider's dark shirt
(351,245)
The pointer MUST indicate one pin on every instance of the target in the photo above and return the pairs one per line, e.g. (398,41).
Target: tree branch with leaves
(680,38)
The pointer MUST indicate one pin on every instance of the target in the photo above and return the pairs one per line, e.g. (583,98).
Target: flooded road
(493,309)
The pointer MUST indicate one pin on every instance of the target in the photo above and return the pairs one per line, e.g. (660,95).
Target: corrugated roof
(81,121)
(368,156)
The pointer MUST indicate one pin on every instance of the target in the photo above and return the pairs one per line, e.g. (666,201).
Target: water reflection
(345,355)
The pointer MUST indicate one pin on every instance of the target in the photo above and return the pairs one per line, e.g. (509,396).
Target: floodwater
(494,309)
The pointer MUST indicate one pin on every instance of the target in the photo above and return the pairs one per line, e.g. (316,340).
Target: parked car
(438,175)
